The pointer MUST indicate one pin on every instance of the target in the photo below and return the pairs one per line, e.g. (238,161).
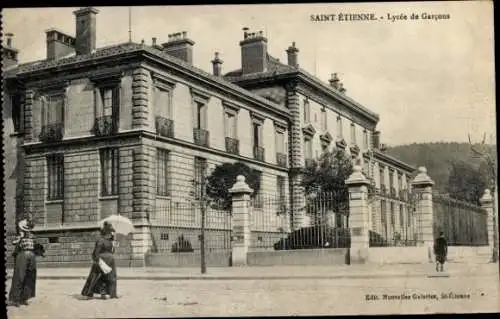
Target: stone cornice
(163,81)
(391,160)
(127,51)
(309,130)
(230,106)
(193,146)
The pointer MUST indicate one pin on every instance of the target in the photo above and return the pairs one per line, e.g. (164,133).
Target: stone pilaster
(241,221)
(28,115)
(359,219)
(487,205)
(141,181)
(298,202)
(422,185)
(140,92)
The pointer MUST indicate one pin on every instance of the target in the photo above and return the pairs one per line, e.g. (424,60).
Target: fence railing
(463,223)
(395,220)
(326,225)
(176,226)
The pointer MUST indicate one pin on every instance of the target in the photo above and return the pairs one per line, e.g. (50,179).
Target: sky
(429,80)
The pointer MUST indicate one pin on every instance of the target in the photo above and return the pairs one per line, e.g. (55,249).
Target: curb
(201,277)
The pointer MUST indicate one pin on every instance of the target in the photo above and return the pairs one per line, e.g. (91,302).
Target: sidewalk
(280,272)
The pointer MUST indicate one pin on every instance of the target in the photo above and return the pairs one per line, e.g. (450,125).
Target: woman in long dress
(99,282)
(23,285)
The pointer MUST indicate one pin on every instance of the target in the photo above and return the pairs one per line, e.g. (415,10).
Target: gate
(176,231)
(395,219)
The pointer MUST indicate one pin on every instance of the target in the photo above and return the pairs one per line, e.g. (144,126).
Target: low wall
(297,257)
(469,254)
(212,259)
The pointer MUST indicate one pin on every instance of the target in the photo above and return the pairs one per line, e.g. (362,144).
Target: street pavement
(278,272)
(476,291)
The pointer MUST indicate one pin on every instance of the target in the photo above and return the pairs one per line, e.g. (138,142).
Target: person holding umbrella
(102,278)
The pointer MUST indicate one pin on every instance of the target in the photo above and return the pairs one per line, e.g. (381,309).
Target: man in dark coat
(440,251)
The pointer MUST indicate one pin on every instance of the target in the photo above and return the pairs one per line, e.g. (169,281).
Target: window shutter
(116,106)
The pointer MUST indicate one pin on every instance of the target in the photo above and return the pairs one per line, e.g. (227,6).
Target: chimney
(9,54)
(334,81)
(217,64)
(376,140)
(253,52)
(59,44)
(85,30)
(341,88)
(179,46)
(292,54)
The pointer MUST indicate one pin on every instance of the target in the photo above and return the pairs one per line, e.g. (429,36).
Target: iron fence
(395,219)
(176,227)
(325,226)
(463,223)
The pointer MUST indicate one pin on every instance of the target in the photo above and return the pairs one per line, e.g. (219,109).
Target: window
(17,112)
(108,101)
(353,133)
(201,116)
(162,172)
(365,139)
(340,129)
(307,111)
(324,126)
(109,171)
(400,182)
(280,142)
(393,216)
(281,188)
(200,168)
(163,102)
(382,177)
(55,180)
(401,216)
(52,109)
(258,202)
(308,152)
(383,217)
(257,134)
(230,125)
(391,179)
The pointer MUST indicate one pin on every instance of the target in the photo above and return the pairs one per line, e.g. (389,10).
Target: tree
(223,178)
(324,183)
(466,183)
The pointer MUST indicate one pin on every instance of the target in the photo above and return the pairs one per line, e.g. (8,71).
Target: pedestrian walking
(440,251)
(102,277)
(23,285)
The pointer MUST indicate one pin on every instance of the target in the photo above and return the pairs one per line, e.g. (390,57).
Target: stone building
(127,128)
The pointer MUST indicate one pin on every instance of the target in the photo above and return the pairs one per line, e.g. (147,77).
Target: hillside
(437,156)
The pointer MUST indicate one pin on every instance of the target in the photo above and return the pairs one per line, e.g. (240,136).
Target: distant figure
(440,251)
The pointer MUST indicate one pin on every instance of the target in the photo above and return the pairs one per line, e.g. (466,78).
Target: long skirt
(24,279)
(441,258)
(99,283)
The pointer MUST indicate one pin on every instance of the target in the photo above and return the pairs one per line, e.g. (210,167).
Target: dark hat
(107,228)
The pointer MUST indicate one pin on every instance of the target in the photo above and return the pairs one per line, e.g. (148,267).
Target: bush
(376,240)
(182,245)
(314,238)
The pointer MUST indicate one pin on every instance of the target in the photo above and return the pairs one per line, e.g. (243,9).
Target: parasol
(121,224)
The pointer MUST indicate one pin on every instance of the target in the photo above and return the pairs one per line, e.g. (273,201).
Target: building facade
(128,128)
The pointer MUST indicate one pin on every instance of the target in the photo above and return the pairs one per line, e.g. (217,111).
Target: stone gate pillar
(487,205)
(358,215)
(422,185)
(241,221)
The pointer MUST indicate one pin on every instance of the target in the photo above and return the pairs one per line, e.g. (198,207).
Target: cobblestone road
(143,298)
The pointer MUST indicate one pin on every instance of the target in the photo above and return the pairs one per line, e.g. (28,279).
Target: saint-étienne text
(391,17)
(343,17)
(417,296)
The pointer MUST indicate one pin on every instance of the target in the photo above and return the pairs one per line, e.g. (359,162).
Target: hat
(107,228)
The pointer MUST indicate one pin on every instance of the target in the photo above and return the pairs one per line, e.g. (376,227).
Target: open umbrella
(121,224)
